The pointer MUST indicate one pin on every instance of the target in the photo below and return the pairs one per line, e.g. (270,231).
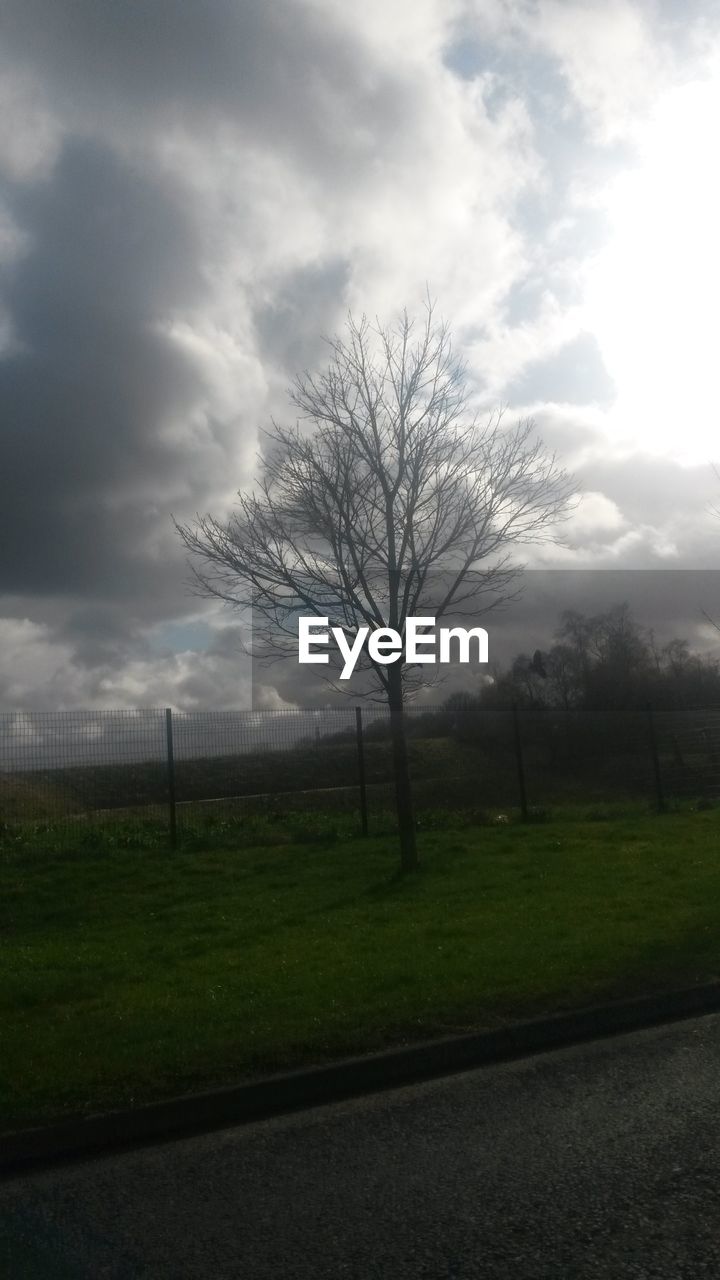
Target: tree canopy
(389,498)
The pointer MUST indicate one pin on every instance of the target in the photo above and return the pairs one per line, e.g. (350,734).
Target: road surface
(598,1160)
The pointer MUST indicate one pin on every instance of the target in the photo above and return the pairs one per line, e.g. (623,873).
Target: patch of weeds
(536,813)
(452,819)
(304,835)
(436,820)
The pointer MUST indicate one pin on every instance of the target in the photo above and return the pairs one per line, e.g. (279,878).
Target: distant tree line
(607,662)
(599,663)
(582,717)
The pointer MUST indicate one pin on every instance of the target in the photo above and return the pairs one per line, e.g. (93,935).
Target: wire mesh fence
(65,763)
(162,777)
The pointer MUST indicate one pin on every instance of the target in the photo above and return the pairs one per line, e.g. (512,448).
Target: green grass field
(136,974)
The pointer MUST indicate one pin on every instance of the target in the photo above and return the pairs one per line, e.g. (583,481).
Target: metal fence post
(171,776)
(519,761)
(659,793)
(361,770)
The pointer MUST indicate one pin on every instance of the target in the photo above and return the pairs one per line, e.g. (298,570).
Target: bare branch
(397,502)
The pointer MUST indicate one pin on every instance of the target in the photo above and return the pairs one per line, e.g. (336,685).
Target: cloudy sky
(191,195)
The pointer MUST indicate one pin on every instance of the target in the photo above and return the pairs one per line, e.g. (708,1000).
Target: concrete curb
(87,1136)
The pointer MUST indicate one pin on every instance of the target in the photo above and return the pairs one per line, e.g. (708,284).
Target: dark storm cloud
(670,602)
(290,328)
(229,641)
(102,636)
(98,441)
(92,381)
(286,71)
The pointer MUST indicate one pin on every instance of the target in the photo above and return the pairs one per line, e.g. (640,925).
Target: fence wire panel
(494,759)
(254,760)
(152,777)
(688,747)
(62,769)
(587,757)
(461,761)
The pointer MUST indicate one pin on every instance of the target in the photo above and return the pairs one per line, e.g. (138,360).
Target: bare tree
(397,503)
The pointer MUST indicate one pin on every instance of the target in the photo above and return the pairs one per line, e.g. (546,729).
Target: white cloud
(42,672)
(611,57)
(653,289)
(594,515)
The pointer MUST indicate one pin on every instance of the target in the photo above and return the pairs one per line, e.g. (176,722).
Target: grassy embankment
(137,974)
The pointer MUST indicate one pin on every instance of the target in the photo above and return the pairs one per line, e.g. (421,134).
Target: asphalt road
(600,1160)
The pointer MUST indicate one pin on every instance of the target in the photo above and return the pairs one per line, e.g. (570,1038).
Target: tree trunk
(403,792)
